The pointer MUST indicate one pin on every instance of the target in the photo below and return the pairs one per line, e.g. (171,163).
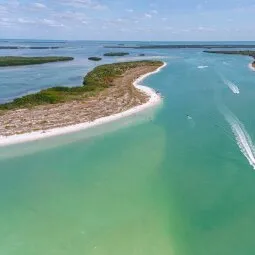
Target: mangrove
(98,79)
(116,54)
(94,58)
(18,61)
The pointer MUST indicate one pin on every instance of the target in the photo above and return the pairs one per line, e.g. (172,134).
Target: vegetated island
(94,58)
(106,90)
(19,61)
(182,46)
(116,54)
(250,53)
(34,41)
(29,47)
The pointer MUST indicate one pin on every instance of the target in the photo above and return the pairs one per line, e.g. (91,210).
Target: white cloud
(51,23)
(154,12)
(205,29)
(13,3)
(5,22)
(25,21)
(71,16)
(147,15)
(123,30)
(91,4)
(153,5)
(185,30)
(4,19)
(47,22)
(3,9)
(129,10)
(39,5)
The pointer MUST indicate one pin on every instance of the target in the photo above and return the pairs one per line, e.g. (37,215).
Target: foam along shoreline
(251,66)
(154,99)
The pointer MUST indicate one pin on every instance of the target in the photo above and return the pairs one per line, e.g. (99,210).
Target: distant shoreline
(29,47)
(7,61)
(250,53)
(252,66)
(181,46)
(151,99)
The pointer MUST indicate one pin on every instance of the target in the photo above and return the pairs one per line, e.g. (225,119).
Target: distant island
(250,53)
(29,47)
(106,90)
(181,46)
(116,54)
(18,61)
(35,41)
(94,58)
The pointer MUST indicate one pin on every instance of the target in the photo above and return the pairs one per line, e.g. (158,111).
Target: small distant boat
(158,93)
(189,117)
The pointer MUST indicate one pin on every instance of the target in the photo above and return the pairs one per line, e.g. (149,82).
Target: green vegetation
(18,61)
(183,46)
(94,58)
(29,47)
(95,81)
(116,54)
(250,53)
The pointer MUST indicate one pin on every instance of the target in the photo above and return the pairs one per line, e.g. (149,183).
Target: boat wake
(202,67)
(232,86)
(242,137)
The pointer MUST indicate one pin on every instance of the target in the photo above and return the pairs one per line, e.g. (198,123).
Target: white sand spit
(154,100)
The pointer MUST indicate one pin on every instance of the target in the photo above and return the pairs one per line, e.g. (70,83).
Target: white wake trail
(232,86)
(242,137)
(202,67)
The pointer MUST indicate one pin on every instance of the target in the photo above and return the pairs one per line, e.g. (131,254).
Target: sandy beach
(149,99)
(252,66)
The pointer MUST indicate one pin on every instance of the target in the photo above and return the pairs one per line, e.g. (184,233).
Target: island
(94,58)
(249,53)
(182,46)
(116,54)
(107,90)
(29,47)
(19,61)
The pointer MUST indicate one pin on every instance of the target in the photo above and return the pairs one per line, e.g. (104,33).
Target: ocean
(179,182)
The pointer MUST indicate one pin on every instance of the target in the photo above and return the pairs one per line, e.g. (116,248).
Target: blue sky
(192,20)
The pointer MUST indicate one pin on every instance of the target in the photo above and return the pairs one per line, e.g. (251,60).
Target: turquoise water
(177,183)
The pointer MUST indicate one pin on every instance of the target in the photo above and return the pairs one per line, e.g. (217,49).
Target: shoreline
(154,99)
(251,66)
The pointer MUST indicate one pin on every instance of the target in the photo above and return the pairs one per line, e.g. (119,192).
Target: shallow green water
(167,185)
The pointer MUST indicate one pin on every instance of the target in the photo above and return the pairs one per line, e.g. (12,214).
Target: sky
(137,20)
